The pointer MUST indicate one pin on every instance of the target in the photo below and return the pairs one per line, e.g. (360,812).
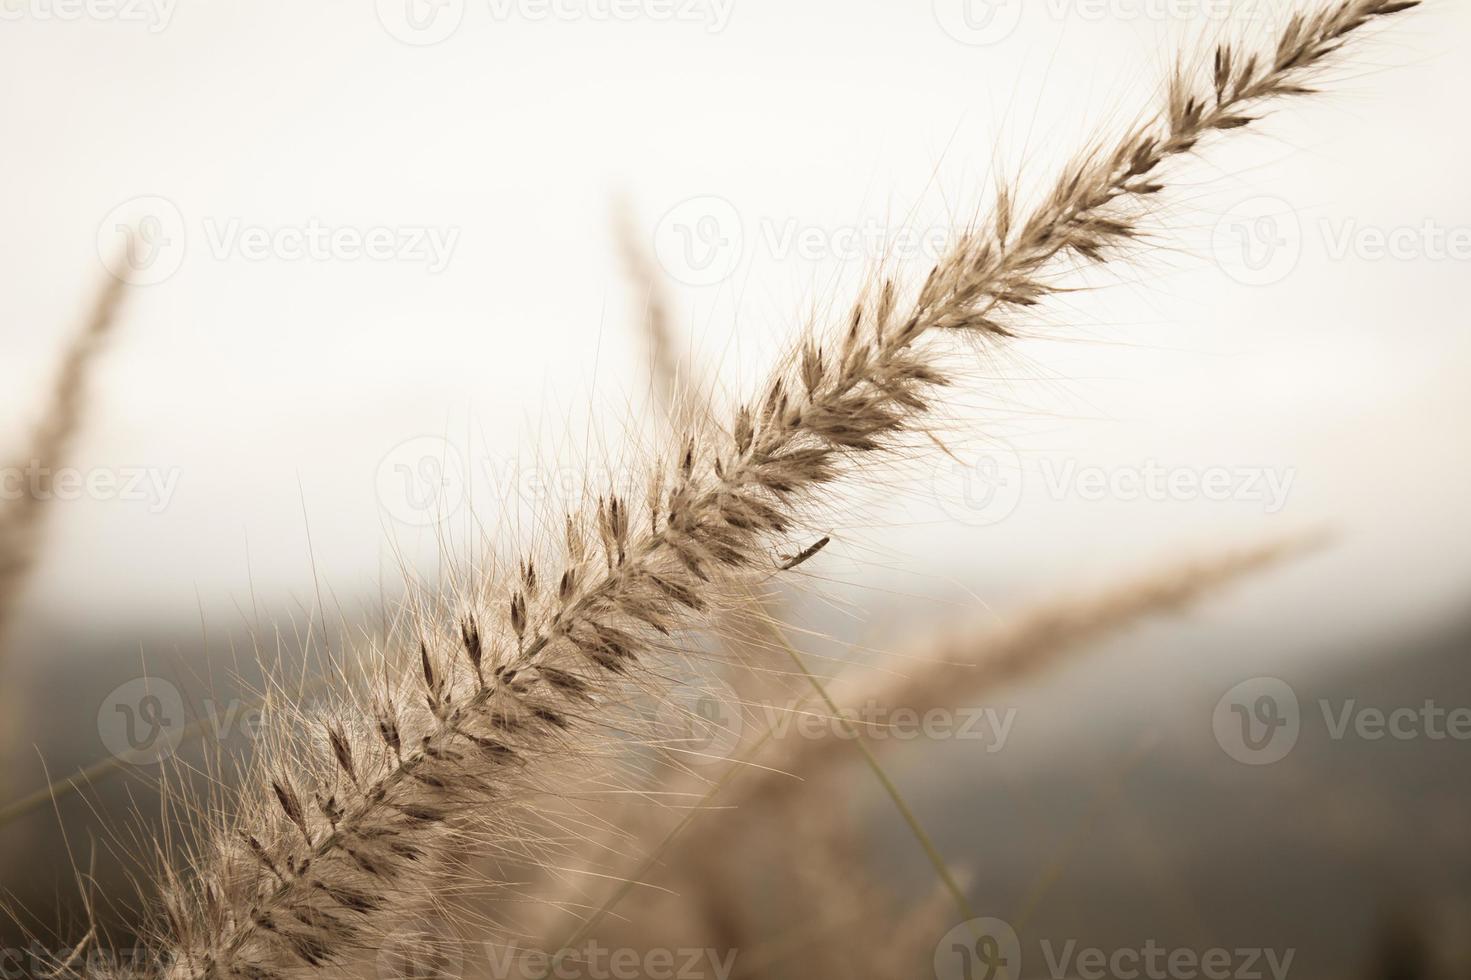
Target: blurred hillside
(1111,816)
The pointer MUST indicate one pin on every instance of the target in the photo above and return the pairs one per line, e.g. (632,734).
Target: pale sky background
(276,387)
(293,401)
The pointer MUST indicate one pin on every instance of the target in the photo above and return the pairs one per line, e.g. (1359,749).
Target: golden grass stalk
(326,855)
(717,853)
(669,370)
(751,614)
(22,517)
(951,670)
(687,404)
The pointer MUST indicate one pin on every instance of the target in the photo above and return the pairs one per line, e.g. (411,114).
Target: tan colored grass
(728,851)
(952,670)
(21,518)
(676,389)
(338,840)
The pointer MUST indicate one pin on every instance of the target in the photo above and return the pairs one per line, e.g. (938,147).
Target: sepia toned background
(381,323)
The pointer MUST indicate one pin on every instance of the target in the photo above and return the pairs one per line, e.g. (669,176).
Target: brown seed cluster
(307,879)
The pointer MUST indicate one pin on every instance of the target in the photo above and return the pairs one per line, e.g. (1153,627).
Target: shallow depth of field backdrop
(377,263)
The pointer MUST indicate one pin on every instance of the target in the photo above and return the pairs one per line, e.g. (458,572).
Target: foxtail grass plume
(338,840)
